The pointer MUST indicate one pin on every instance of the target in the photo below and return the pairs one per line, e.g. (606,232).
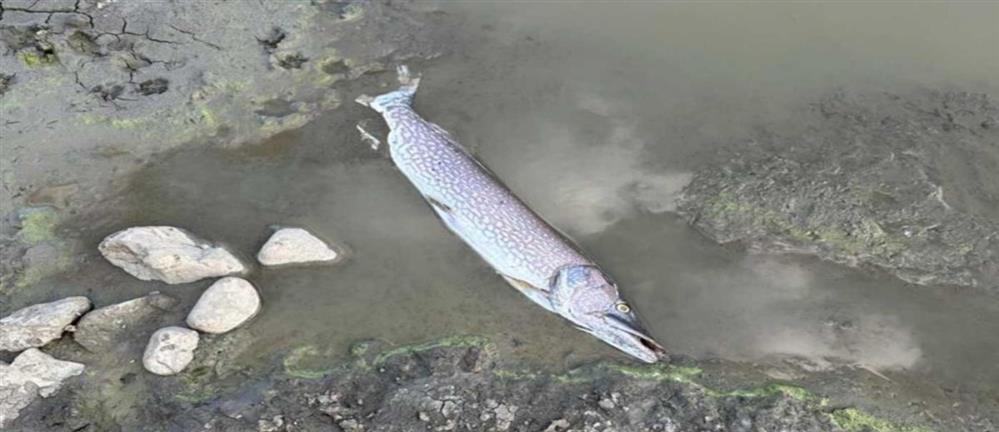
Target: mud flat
(908,184)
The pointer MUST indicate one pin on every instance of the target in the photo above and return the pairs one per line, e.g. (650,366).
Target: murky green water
(594,113)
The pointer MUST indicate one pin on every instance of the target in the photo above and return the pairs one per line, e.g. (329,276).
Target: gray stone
(32,374)
(295,246)
(170,350)
(225,305)
(37,325)
(505,415)
(101,328)
(14,398)
(167,254)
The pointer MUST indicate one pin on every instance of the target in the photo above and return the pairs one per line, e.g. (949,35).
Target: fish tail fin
(409,83)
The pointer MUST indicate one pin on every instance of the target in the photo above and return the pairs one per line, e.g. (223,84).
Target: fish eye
(623,307)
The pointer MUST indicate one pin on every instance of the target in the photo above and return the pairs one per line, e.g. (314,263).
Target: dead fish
(533,257)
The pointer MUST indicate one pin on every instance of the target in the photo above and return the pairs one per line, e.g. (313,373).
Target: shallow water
(595,115)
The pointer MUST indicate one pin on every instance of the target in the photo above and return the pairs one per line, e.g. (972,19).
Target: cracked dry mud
(104,85)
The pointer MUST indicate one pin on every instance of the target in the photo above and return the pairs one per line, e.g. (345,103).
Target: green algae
(36,271)
(658,372)
(37,224)
(516,375)
(306,362)
(854,420)
(196,385)
(768,390)
(208,117)
(36,60)
(868,237)
(448,342)
(45,255)
(361,348)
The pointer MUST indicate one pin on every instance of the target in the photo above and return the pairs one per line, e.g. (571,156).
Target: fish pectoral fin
(445,213)
(522,286)
(437,205)
(536,294)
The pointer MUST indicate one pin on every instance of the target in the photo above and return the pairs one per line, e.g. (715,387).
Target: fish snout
(635,339)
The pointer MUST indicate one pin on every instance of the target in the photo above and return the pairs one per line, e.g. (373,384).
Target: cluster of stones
(158,253)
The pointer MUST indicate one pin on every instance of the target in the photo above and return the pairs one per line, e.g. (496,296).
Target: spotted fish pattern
(474,204)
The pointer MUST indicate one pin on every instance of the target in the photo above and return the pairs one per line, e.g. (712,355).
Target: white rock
(168,254)
(170,350)
(37,325)
(46,372)
(32,374)
(295,246)
(225,305)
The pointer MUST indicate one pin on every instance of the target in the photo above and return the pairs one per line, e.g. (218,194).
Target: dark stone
(154,86)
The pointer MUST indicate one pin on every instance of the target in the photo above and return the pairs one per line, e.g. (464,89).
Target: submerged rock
(170,350)
(908,185)
(225,305)
(295,246)
(32,374)
(37,325)
(30,248)
(102,327)
(167,254)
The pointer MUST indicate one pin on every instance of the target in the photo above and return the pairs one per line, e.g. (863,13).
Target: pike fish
(530,254)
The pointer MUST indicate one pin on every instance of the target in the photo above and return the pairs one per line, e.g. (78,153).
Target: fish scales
(478,207)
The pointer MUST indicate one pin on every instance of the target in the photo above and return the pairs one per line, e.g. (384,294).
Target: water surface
(595,114)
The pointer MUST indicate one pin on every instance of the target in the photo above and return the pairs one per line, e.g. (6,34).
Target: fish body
(475,205)
(534,257)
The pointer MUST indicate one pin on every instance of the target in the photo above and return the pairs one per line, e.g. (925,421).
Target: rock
(37,325)
(557,425)
(606,404)
(102,327)
(170,350)
(32,374)
(295,246)
(273,425)
(13,398)
(504,416)
(167,254)
(44,371)
(225,305)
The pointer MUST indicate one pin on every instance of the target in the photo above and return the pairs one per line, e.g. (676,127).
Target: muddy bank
(91,90)
(459,384)
(908,184)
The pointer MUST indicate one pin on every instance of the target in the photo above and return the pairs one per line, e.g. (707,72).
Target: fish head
(586,296)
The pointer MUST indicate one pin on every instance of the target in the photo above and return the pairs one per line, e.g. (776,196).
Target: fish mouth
(638,341)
